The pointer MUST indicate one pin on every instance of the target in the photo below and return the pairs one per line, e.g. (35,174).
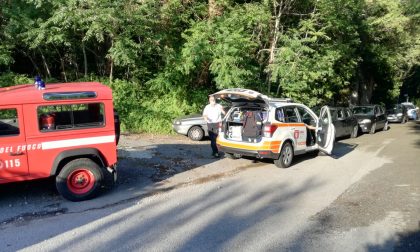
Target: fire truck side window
(9,124)
(71,116)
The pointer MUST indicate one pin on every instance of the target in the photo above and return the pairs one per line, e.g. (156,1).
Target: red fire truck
(66,130)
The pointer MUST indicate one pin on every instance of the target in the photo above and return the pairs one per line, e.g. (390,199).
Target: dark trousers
(213,129)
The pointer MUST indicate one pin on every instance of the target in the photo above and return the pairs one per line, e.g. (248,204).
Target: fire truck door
(13,151)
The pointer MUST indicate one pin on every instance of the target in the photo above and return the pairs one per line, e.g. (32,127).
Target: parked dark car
(398,114)
(344,121)
(192,126)
(371,118)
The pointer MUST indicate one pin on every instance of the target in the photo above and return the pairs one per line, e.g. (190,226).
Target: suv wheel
(386,126)
(80,179)
(355,131)
(286,156)
(196,133)
(373,128)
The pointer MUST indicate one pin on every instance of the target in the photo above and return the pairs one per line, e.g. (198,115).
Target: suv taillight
(269,130)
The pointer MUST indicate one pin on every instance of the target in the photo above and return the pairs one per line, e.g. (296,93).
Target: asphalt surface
(171,196)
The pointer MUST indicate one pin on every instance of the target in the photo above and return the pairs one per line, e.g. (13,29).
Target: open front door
(325,133)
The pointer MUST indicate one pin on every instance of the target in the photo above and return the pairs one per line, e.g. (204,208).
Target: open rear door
(325,133)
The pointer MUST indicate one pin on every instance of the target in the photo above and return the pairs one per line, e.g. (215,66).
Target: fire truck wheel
(80,179)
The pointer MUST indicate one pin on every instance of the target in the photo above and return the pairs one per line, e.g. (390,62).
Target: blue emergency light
(39,83)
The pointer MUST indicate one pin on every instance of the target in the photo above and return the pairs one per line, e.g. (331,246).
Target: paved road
(172,197)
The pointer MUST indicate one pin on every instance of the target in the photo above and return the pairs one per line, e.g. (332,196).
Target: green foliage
(5,55)
(162,58)
(10,79)
(143,110)
(226,47)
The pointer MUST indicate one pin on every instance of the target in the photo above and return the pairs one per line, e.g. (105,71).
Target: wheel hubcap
(80,181)
(287,155)
(196,133)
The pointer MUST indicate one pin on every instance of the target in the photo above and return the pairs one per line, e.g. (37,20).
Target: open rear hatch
(245,120)
(239,95)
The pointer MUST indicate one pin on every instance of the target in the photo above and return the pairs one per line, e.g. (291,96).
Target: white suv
(263,127)
(412,111)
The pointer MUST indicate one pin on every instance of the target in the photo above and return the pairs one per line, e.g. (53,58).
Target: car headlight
(365,121)
(177,122)
(399,114)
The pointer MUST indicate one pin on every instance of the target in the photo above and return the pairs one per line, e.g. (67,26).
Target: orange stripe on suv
(288,124)
(273,146)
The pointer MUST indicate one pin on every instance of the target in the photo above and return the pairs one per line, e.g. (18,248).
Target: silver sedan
(192,126)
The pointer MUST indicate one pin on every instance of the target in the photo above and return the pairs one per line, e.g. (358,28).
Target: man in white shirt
(213,116)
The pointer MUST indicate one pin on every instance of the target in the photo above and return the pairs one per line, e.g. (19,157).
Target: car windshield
(409,106)
(363,110)
(395,110)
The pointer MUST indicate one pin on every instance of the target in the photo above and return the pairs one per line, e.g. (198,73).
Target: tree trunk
(367,90)
(33,62)
(111,70)
(62,64)
(84,58)
(362,90)
(277,13)
(47,69)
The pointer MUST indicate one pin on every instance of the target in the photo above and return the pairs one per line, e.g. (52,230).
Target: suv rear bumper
(250,153)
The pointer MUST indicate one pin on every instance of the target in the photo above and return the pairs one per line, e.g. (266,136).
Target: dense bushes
(144,110)
(11,79)
(140,109)
(163,58)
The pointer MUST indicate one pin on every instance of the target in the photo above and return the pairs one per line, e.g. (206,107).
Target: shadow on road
(341,149)
(415,130)
(229,215)
(139,169)
(230,212)
(161,161)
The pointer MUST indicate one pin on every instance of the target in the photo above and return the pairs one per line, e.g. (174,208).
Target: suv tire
(80,179)
(355,131)
(196,133)
(386,127)
(286,156)
(372,128)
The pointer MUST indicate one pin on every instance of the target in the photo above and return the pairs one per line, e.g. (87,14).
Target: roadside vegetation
(162,58)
